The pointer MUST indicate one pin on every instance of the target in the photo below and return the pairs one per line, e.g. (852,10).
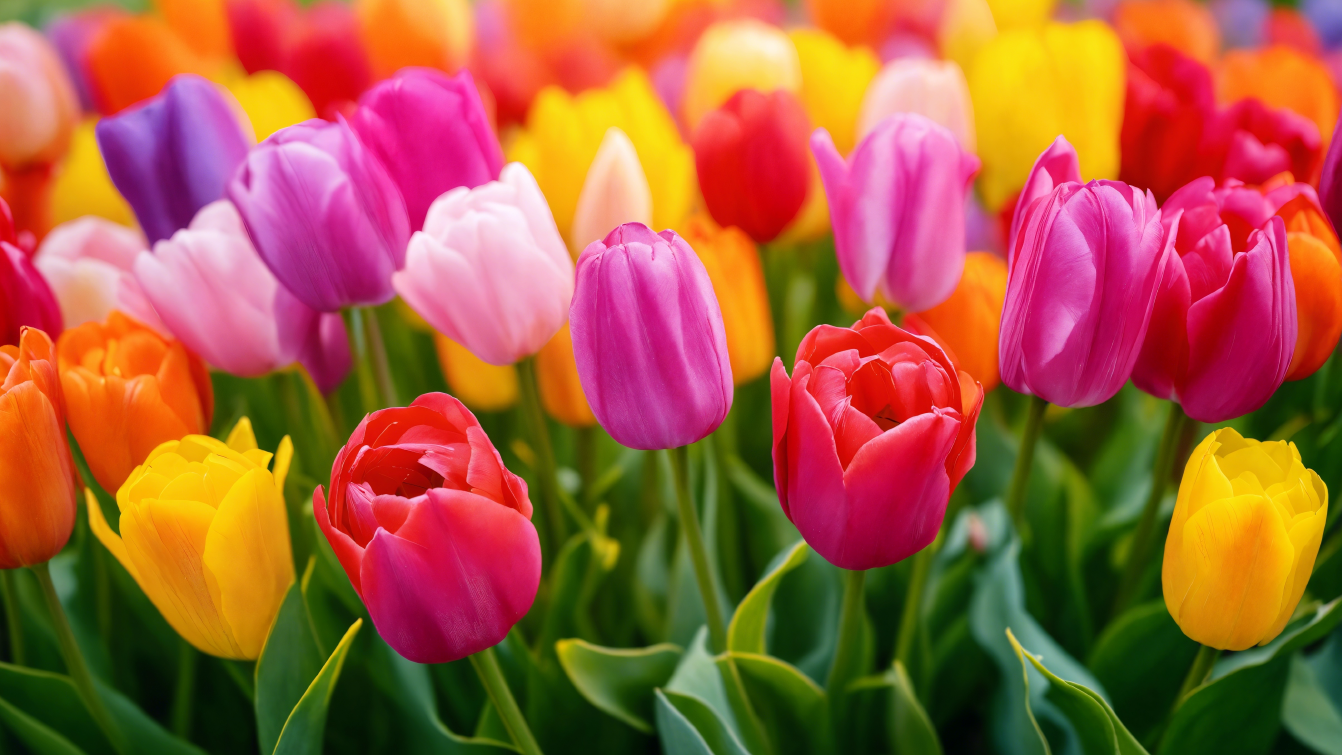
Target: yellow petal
(1202,483)
(241,438)
(83,187)
(283,457)
(110,540)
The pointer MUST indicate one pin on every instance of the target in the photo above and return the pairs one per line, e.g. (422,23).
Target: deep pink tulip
(648,339)
(898,209)
(1055,166)
(1085,264)
(1252,142)
(26,299)
(432,133)
(1224,324)
(871,434)
(433,531)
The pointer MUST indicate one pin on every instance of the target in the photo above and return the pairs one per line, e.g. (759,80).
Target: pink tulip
(88,263)
(1055,166)
(40,106)
(490,270)
(898,209)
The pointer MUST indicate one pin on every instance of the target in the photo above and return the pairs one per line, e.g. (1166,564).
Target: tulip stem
(850,634)
(74,662)
(913,603)
(491,676)
(1143,537)
(1020,476)
(1198,673)
(545,453)
(13,621)
(184,695)
(584,443)
(377,348)
(694,537)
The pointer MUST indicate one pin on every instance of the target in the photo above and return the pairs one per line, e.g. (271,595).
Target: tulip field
(698,377)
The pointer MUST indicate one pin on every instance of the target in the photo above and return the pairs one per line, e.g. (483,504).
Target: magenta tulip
(26,299)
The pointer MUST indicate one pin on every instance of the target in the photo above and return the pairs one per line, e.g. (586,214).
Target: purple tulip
(432,133)
(1085,268)
(648,339)
(324,215)
(174,153)
(898,209)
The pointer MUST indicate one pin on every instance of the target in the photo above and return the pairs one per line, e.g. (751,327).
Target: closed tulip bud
(131,59)
(88,264)
(205,533)
(355,230)
(968,323)
(897,207)
(1251,142)
(480,385)
(37,507)
(1281,77)
(128,389)
(750,155)
(733,265)
(871,434)
(433,531)
(432,133)
(489,270)
(40,104)
(25,298)
(933,88)
(615,192)
(1168,107)
(271,101)
(834,80)
(82,185)
(1246,528)
(1085,266)
(648,339)
(735,55)
(1183,25)
(427,33)
(560,386)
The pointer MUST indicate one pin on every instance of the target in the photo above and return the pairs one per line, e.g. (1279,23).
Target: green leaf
(688,726)
(792,708)
(1308,712)
(620,682)
(39,738)
(745,633)
(1141,659)
(910,728)
(304,731)
(1300,633)
(289,661)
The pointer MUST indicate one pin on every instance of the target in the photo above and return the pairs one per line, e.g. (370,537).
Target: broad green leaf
(619,681)
(289,661)
(687,726)
(745,633)
(910,729)
(793,709)
(698,675)
(1141,659)
(1308,712)
(39,738)
(305,729)
(1300,633)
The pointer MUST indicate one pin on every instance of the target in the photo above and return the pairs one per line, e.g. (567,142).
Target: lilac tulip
(324,214)
(174,153)
(648,339)
(431,132)
(898,207)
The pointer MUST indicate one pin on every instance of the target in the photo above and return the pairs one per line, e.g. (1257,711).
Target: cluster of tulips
(640,229)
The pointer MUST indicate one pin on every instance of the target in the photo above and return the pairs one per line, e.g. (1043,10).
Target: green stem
(1143,537)
(240,676)
(363,366)
(14,622)
(694,537)
(545,454)
(585,446)
(74,662)
(850,634)
(184,697)
(1197,674)
(381,366)
(913,602)
(1020,476)
(491,676)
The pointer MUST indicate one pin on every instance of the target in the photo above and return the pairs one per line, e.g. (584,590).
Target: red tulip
(1252,142)
(1169,103)
(25,297)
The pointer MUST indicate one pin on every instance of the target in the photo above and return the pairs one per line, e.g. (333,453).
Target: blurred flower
(71,34)
(1246,529)
(1186,25)
(428,33)
(615,192)
(1030,85)
(1326,18)
(1241,21)
(489,270)
(1252,142)
(750,155)
(967,324)
(1021,14)
(834,79)
(325,59)
(355,227)
(933,88)
(1085,264)
(897,206)
(82,186)
(560,386)
(174,153)
(88,264)
(40,108)
(480,385)
(259,29)
(871,434)
(1290,28)
(1282,78)
(854,22)
(622,22)
(735,55)
(201,24)
(205,533)
(132,58)
(733,265)
(25,298)
(966,26)
(128,389)
(1168,107)
(270,100)
(648,339)
(433,531)
(37,507)
(1316,267)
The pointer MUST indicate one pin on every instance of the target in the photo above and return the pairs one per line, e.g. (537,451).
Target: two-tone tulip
(88,263)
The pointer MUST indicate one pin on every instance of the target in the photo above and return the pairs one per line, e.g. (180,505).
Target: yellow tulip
(205,533)
(966,26)
(733,265)
(560,388)
(270,100)
(1030,85)
(478,384)
(735,55)
(82,186)
(564,131)
(1246,529)
(834,78)
(1021,14)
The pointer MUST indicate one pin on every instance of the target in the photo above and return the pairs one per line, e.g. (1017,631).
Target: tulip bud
(1168,107)
(354,228)
(560,386)
(898,206)
(427,33)
(615,192)
(751,158)
(1183,25)
(88,264)
(735,55)
(37,507)
(40,106)
(968,323)
(733,265)
(1316,267)
(133,58)
(1282,78)
(25,298)
(1246,528)
(648,339)
(834,79)
(127,390)
(205,533)
(82,186)
(432,133)
(936,89)
(480,385)
(871,434)
(1085,267)
(433,531)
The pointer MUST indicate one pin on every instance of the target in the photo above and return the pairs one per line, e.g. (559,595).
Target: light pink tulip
(88,263)
(40,107)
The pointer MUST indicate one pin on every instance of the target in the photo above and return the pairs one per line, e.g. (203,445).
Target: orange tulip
(856,22)
(1316,269)
(733,265)
(429,33)
(37,479)
(132,58)
(201,24)
(1281,77)
(128,389)
(1185,25)
(479,385)
(561,391)
(967,324)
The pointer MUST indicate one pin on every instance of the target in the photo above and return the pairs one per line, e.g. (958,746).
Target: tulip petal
(815,484)
(780,390)
(38,504)
(348,552)
(1055,166)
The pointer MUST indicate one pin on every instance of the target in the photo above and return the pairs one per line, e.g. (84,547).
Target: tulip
(750,155)
(37,508)
(133,58)
(478,384)
(433,531)
(354,230)
(1330,183)
(735,55)
(325,59)
(88,263)
(25,298)
(1168,107)
(1316,267)
(865,22)
(1251,142)
(967,324)
(871,434)
(648,339)
(936,89)
(427,33)
(621,22)
(615,192)
(201,24)
(40,108)
(1183,25)
(205,533)
(258,29)
(271,101)
(733,265)
(1282,78)
(897,206)
(174,153)
(966,26)
(128,389)
(489,270)
(1085,266)
(559,384)
(1021,14)
(71,34)
(834,79)
(82,186)
(1246,528)
(432,133)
